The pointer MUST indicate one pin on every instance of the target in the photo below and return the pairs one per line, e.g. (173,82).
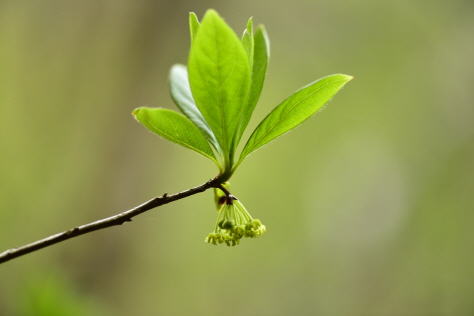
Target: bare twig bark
(115,220)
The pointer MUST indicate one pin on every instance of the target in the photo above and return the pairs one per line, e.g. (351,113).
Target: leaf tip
(211,12)
(345,78)
(135,112)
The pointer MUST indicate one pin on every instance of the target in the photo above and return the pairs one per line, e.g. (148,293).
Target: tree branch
(115,220)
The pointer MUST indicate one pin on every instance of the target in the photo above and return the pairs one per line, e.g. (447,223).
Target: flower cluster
(234,223)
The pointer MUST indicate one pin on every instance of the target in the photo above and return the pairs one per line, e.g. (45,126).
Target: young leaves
(219,89)
(219,75)
(176,128)
(294,111)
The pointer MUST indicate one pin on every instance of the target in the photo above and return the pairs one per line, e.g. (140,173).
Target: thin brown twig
(115,220)
(228,195)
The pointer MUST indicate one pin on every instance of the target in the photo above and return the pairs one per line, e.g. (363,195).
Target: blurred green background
(369,206)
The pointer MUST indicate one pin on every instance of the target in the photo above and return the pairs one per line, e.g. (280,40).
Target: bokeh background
(369,205)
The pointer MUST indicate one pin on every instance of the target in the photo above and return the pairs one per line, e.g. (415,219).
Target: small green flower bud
(211,238)
(228,224)
(235,242)
(254,228)
(238,231)
(221,237)
(220,223)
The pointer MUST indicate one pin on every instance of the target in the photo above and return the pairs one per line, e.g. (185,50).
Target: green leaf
(294,110)
(183,98)
(247,41)
(260,62)
(193,25)
(176,128)
(261,55)
(219,75)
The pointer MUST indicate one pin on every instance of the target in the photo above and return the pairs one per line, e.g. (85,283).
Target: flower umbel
(234,223)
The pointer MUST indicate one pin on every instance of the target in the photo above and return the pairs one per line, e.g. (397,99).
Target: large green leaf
(182,96)
(176,128)
(294,110)
(261,55)
(219,75)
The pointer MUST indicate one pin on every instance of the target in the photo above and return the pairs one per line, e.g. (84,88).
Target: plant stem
(115,220)
(229,196)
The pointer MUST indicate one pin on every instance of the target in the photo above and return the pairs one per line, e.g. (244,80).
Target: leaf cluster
(218,90)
